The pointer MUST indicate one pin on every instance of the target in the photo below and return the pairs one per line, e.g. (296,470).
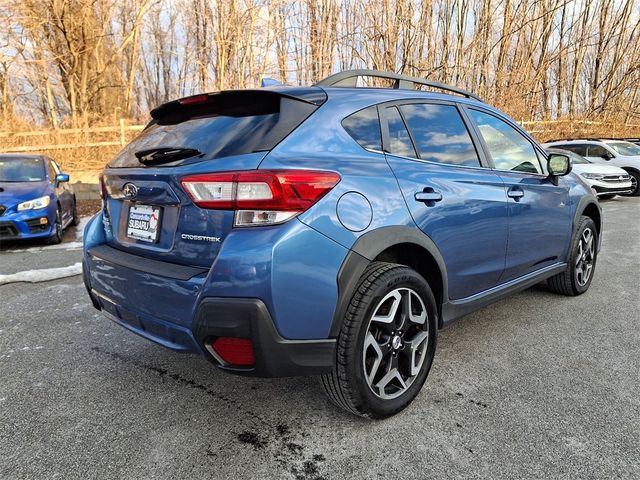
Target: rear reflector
(260,197)
(237,352)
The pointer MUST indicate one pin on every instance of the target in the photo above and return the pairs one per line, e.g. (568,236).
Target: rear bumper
(177,318)
(275,356)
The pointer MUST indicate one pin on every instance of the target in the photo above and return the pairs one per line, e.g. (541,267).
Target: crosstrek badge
(200,238)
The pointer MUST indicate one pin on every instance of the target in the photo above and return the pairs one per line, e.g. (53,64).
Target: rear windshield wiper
(155,156)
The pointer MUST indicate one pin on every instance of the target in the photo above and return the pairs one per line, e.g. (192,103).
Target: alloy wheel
(585,257)
(396,343)
(634,184)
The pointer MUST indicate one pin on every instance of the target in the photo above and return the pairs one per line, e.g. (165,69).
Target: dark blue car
(36,200)
(332,230)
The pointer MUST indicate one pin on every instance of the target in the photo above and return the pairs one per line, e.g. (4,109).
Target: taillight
(194,99)
(260,197)
(103,188)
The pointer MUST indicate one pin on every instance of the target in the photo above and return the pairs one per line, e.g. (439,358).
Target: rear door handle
(516,193)
(428,196)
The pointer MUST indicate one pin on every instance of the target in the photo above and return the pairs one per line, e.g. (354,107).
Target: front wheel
(56,237)
(386,344)
(75,219)
(635,184)
(576,278)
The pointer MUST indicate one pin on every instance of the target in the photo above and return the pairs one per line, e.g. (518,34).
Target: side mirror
(559,165)
(607,155)
(61,178)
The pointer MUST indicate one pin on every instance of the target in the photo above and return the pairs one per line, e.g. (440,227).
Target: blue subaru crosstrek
(332,229)
(36,200)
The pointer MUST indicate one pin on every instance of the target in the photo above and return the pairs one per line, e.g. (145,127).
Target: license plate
(143,223)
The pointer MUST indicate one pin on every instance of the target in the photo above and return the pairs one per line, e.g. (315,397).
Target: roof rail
(577,139)
(349,78)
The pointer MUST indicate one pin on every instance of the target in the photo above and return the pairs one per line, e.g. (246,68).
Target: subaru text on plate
(331,229)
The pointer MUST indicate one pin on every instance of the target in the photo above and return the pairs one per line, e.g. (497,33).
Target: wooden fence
(89,149)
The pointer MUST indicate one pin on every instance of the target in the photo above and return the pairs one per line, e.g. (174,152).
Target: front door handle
(429,196)
(516,193)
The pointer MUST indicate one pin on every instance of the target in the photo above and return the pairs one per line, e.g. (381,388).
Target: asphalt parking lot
(534,386)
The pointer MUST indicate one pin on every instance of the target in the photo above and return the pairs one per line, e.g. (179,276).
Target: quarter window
(440,134)
(364,127)
(509,149)
(399,140)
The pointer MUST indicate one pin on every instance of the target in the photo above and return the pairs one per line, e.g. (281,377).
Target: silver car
(606,181)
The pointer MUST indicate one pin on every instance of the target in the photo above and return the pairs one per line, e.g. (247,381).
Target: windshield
(21,170)
(230,123)
(625,148)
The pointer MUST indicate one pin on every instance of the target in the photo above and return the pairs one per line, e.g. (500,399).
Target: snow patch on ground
(43,275)
(80,228)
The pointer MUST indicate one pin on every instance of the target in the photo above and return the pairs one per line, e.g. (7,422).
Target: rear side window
(399,140)
(579,149)
(228,123)
(509,149)
(440,134)
(364,127)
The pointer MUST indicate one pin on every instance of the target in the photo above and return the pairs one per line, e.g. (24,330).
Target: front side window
(598,151)
(364,127)
(509,149)
(440,134)
(52,172)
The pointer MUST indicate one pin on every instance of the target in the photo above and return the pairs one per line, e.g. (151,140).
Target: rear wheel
(386,344)
(576,278)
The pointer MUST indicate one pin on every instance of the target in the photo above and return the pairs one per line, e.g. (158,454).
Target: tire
(75,221)
(56,237)
(380,368)
(635,183)
(606,197)
(575,280)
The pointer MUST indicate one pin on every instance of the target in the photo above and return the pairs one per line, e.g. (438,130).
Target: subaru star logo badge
(130,190)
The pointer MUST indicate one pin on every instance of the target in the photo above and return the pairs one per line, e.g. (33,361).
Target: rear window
(440,134)
(228,123)
(364,127)
(21,170)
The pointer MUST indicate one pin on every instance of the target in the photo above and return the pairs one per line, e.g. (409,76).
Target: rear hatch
(149,212)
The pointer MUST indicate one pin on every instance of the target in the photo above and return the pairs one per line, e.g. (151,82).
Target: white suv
(618,153)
